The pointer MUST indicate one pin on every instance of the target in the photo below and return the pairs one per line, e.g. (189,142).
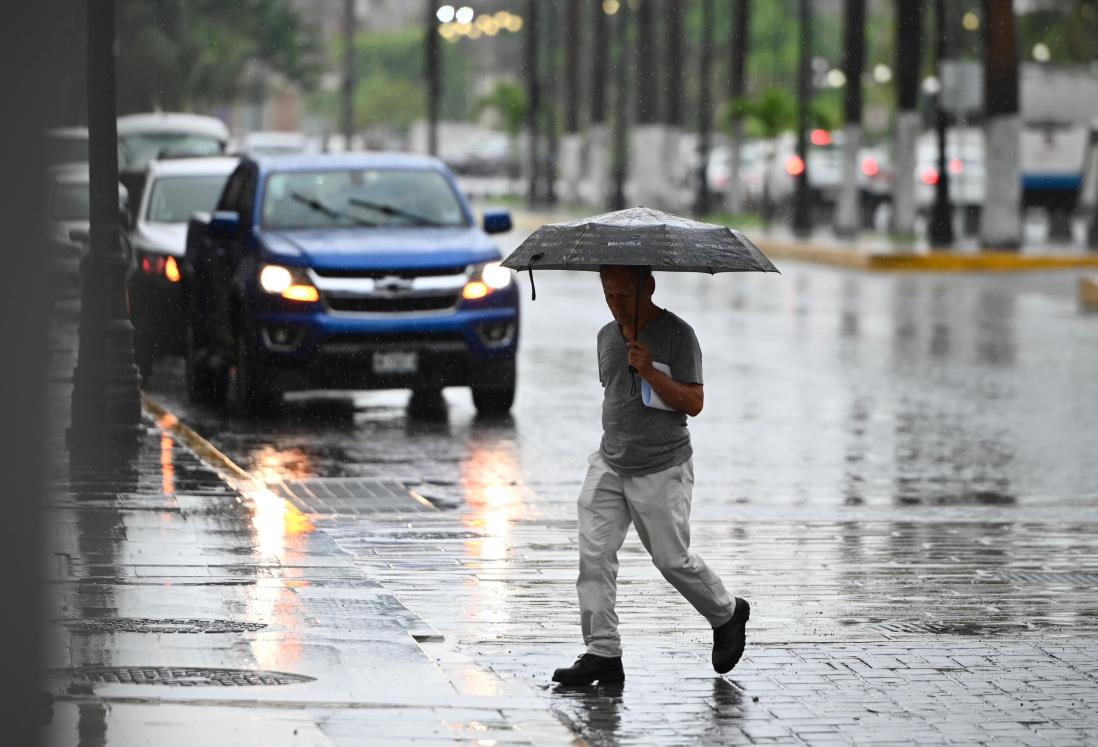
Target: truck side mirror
(497,221)
(225,223)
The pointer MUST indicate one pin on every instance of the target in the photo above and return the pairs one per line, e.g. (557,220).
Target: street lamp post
(940,231)
(106,401)
(348,72)
(702,198)
(434,83)
(802,209)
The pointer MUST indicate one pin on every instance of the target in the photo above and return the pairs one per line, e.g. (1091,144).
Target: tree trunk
(909,41)
(674,80)
(533,109)
(737,90)
(620,140)
(574,42)
(1001,223)
(549,124)
(600,46)
(434,87)
(848,218)
(348,72)
(802,208)
(705,104)
(647,99)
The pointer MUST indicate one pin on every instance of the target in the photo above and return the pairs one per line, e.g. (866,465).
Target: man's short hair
(644,271)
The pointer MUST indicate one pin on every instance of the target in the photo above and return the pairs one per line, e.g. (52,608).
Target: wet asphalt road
(897,469)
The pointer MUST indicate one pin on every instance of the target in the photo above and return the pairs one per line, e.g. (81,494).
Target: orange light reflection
(167,466)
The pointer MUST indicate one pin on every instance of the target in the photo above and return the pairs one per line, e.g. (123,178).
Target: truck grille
(390,305)
(391,292)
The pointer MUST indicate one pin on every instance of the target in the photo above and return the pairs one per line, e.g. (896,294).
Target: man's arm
(686,398)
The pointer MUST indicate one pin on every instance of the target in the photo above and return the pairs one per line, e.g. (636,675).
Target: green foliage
(775,111)
(509,99)
(390,81)
(187,54)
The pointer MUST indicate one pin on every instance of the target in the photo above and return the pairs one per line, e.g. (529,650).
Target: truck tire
(254,393)
(494,393)
(205,385)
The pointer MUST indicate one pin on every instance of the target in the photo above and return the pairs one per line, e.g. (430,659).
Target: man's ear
(650,285)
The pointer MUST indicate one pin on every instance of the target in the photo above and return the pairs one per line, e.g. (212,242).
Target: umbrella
(638,237)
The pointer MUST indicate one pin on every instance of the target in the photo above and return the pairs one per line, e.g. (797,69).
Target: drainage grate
(185,676)
(947,628)
(351,496)
(151,625)
(1052,578)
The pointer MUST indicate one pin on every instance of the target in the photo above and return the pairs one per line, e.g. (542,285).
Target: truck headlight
(291,284)
(485,279)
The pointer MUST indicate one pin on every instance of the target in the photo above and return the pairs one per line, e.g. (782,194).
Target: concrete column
(1001,220)
(849,214)
(903,169)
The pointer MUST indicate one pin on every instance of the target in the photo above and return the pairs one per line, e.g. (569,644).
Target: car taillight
(152,264)
(929,177)
(956,165)
(821,137)
(870,167)
(794,166)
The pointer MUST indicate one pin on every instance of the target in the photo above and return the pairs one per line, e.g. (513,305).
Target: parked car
(270,143)
(346,271)
(69,220)
(174,190)
(157,135)
(66,145)
(967,175)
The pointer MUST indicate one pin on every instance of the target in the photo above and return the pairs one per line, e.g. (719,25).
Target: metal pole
(802,208)
(533,108)
(434,82)
(940,230)
(106,405)
(348,72)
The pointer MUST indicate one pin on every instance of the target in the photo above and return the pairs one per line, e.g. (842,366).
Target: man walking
(643,474)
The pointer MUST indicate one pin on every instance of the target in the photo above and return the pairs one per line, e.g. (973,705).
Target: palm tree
(533,109)
(853,64)
(909,46)
(1001,223)
(772,113)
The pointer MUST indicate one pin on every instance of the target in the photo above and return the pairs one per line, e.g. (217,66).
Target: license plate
(395,363)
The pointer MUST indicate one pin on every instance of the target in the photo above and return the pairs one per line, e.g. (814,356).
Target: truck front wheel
(494,388)
(254,391)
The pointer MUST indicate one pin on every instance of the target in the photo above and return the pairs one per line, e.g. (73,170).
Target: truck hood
(383,249)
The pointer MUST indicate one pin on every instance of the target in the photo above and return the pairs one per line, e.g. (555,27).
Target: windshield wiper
(419,220)
(316,205)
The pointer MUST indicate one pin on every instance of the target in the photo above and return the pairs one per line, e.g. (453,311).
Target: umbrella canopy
(639,237)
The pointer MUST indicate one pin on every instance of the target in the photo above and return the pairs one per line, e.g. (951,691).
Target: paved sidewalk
(186,610)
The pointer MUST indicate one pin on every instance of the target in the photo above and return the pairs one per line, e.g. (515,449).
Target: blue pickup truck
(346,271)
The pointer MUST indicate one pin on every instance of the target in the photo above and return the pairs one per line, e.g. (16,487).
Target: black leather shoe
(730,638)
(588,668)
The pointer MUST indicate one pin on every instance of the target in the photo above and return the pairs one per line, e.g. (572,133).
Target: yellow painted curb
(934,261)
(165,419)
(1088,292)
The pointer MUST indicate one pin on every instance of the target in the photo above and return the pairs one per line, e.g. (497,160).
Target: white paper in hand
(649,396)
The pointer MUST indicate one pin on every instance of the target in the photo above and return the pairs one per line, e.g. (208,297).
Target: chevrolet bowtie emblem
(393,284)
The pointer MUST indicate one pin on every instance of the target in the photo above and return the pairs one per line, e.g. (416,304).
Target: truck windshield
(175,198)
(368,197)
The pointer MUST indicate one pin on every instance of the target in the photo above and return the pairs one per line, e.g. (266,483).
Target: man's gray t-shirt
(639,440)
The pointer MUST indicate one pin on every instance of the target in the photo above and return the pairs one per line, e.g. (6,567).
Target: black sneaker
(730,638)
(588,668)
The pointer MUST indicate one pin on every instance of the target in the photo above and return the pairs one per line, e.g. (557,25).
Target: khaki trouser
(659,505)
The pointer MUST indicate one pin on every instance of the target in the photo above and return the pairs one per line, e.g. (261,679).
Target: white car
(175,189)
(146,137)
(966,166)
(66,145)
(271,143)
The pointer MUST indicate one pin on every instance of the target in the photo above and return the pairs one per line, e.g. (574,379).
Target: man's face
(619,287)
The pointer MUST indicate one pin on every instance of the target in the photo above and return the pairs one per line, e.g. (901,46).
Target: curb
(227,468)
(1088,292)
(934,261)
